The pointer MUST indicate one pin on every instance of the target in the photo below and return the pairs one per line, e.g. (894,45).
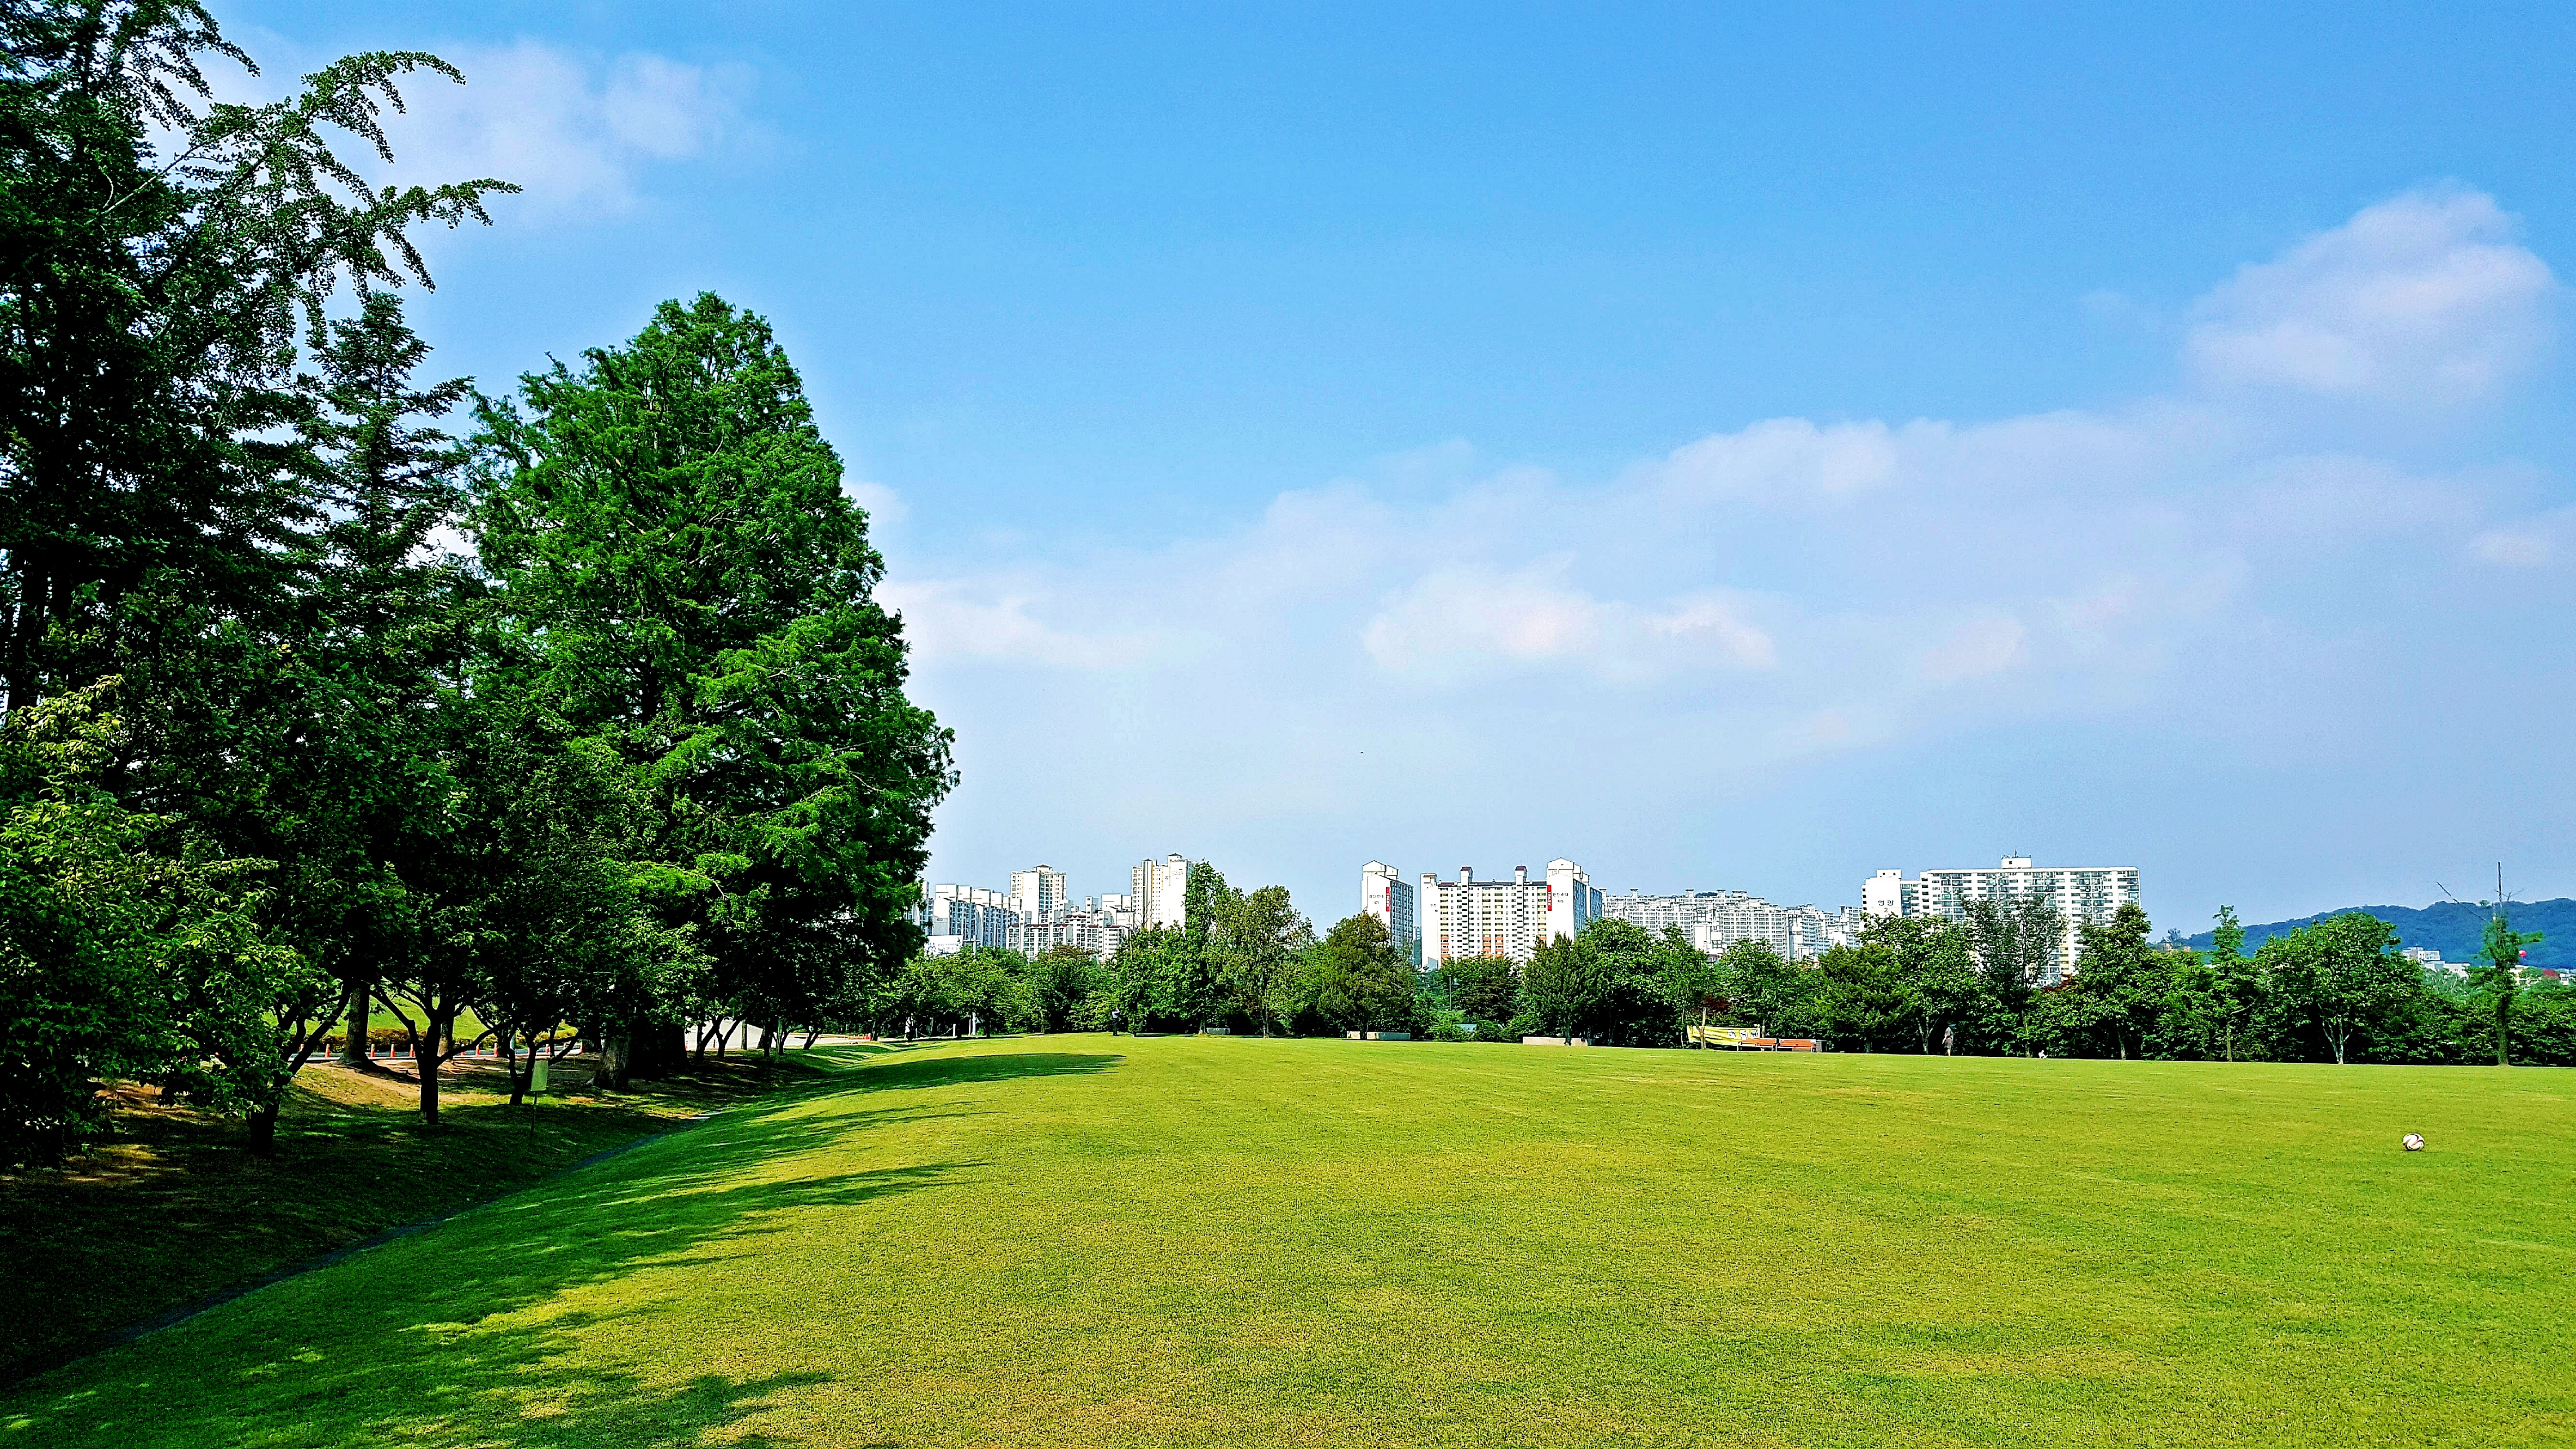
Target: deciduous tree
(1361,983)
(2339,977)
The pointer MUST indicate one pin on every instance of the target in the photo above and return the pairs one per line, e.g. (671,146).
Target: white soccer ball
(2414,1141)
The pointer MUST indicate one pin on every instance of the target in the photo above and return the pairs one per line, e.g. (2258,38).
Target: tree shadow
(445,1337)
(991,1067)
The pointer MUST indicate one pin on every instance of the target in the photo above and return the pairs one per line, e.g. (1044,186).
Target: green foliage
(651,758)
(1252,947)
(936,995)
(1159,980)
(687,582)
(121,958)
(158,257)
(2123,981)
(1241,960)
(1946,998)
(2332,990)
(1693,984)
(1864,1001)
(1356,980)
(2338,980)
(1060,989)
(183,508)
(1634,984)
(1481,989)
(550,917)
(1059,980)
(1765,989)
(2017,944)
(2501,952)
(2227,938)
(1560,989)
(77,995)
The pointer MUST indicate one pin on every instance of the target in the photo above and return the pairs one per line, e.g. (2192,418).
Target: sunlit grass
(1181,1240)
(173,1208)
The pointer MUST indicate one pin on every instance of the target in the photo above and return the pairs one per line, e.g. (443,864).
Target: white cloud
(883,504)
(2529,543)
(1975,649)
(2424,299)
(1789,459)
(970,620)
(575,134)
(1721,625)
(1468,622)
(1455,620)
(1697,625)
(2318,498)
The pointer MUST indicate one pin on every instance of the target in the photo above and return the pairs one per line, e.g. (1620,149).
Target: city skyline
(1431,919)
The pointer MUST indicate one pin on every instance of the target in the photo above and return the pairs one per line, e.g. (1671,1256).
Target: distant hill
(2451,928)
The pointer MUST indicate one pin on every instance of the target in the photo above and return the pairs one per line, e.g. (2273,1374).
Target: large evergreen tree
(670,539)
(159,256)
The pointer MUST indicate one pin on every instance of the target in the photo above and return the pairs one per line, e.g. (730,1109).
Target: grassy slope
(174,1209)
(1178,1240)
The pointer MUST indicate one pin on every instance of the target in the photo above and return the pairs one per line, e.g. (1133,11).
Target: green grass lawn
(1088,1239)
(173,1208)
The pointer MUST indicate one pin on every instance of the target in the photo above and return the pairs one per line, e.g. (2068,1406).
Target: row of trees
(1246,961)
(579,721)
(2337,990)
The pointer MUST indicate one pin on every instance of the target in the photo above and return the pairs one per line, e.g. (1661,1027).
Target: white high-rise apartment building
(1094,932)
(1469,917)
(1385,895)
(1715,920)
(958,916)
(1038,892)
(1160,889)
(2082,895)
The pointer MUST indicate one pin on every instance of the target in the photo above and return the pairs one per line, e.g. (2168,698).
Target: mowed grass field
(174,1209)
(1103,1240)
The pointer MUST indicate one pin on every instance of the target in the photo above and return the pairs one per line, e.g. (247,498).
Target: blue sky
(1742,448)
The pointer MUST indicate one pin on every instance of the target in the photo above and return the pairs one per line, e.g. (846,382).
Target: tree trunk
(261,1127)
(660,1050)
(2504,1029)
(644,1049)
(24,628)
(425,1054)
(353,1051)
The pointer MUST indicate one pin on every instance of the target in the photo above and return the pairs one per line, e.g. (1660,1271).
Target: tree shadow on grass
(987,1067)
(445,1337)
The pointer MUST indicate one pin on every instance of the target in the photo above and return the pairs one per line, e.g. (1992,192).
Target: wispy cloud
(1796,589)
(2425,299)
(577,134)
